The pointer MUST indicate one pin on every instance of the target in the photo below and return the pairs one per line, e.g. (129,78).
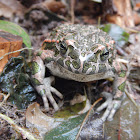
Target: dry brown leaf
(35,117)
(10,7)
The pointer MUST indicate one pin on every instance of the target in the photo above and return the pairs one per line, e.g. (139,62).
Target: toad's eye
(104,55)
(63,48)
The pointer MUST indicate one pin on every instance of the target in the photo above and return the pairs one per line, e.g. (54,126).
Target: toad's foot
(111,105)
(48,93)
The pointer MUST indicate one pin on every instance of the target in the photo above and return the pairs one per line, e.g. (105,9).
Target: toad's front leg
(114,101)
(42,84)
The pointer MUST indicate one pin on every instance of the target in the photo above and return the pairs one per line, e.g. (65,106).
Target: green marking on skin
(61,61)
(35,68)
(86,66)
(42,92)
(122,73)
(56,52)
(73,55)
(94,47)
(93,59)
(83,54)
(48,45)
(39,53)
(122,87)
(113,69)
(68,63)
(110,60)
(93,70)
(102,68)
(48,59)
(75,64)
(36,81)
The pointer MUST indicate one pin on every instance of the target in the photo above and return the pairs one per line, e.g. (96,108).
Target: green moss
(70,110)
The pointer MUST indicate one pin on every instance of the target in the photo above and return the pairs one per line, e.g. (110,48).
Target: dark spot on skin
(69,68)
(102,68)
(61,61)
(77,72)
(122,87)
(75,64)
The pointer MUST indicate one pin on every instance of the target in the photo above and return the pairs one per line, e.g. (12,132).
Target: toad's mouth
(83,68)
(60,71)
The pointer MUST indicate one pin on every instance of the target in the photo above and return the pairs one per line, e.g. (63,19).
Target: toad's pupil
(107,53)
(62,46)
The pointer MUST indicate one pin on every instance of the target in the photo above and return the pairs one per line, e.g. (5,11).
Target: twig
(25,134)
(15,52)
(72,11)
(5,98)
(87,117)
(128,95)
(131,30)
(99,22)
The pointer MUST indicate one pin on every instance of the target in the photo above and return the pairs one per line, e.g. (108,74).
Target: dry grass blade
(24,133)
(87,117)
(5,98)
(14,52)
(128,95)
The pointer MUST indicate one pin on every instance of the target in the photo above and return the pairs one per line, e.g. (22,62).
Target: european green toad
(82,53)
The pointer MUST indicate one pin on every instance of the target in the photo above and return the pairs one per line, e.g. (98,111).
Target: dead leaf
(11,7)
(35,117)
